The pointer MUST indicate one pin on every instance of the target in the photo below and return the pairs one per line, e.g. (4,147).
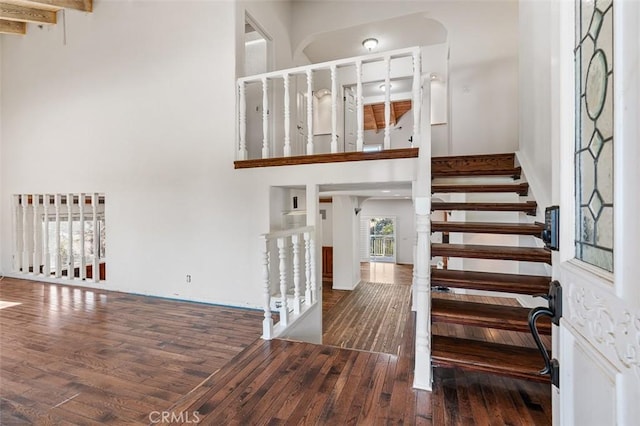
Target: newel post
(422,376)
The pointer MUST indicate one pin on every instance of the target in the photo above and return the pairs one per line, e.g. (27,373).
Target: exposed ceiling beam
(15,12)
(12,27)
(83,5)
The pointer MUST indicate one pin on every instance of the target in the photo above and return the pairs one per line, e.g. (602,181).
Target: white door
(598,340)
(350,120)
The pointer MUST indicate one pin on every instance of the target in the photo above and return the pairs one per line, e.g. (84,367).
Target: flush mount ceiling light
(370,43)
(383,87)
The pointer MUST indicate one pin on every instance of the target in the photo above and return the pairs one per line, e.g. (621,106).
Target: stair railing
(380,68)
(289,277)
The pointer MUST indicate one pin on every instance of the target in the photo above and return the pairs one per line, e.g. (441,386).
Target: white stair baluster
(267,323)
(71,261)
(17,236)
(242,125)
(58,253)
(307,269)
(265,118)
(309,112)
(82,231)
(36,246)
(387,103)
(282,255)
(334,110)
(417,96)
(295,242)
(359,108)
(422,377)
(46,249)
(25,234)
(287,116)
(95,271)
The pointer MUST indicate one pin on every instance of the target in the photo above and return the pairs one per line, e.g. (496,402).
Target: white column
(287,116)
(309,112)
(282,254)
(242,125)
(36,219)
(267,323)
(422,374)
(46,249)
(265,118)
(307,269)
(312,253)
(417,97)
(414,285)
(387,103)
(58,255)
(25,234)
(359,108)
(295,243)
(17,237)
(95,199)
(71,262)
(334,110)
(83,258)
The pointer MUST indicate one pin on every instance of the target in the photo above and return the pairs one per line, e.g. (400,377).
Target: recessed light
(385,191)
(370,43)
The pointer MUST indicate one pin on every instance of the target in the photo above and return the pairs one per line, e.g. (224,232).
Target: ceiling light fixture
(370,43)
(383,87)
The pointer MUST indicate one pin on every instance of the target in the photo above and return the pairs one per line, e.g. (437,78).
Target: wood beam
(15,12)
(82,5)
(12,27)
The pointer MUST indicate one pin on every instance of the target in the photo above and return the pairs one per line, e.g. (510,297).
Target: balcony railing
(269,127)
(382,246)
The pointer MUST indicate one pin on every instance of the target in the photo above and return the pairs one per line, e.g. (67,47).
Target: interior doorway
(378,239)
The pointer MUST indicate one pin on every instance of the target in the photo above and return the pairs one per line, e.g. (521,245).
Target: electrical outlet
(188,278)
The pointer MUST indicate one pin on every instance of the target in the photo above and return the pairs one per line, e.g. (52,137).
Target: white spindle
(267,323)
(307,269)
(95,272)
(17,236)
(312,254)
(287,117)
(242,130)
(422,377)
(265,118)
(70,261)
(36,218)
(58,253)
(309,112)
(25,234)
(282,255)
(334,110)
(46,249)
(415,105)
(295,243)
(359,107)
(387,102)
(83,258)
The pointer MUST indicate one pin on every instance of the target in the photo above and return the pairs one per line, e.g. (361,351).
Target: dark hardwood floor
(80,356)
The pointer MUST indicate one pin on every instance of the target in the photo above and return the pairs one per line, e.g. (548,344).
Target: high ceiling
(15,14)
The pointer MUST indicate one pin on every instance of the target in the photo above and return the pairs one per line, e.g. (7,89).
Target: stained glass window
(594,132)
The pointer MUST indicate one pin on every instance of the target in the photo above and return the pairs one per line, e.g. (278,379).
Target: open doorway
(378,239)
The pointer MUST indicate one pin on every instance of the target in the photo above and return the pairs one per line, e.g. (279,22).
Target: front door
(598,266)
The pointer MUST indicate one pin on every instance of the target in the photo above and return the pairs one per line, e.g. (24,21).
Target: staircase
(469,186)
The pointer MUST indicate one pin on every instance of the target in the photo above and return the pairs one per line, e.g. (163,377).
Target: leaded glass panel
(594,132)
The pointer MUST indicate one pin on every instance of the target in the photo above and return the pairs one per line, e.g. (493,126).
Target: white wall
(535,96)
(346,259)
(145,116)
(327,224)
(404,213)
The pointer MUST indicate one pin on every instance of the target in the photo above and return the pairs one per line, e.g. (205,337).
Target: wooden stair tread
(528,207)
(519,188)
(502,317)
(491,281)
(474,355)
(525,254)
(475,165)
(488,227)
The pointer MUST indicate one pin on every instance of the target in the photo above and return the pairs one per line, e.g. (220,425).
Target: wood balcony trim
(340,157)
